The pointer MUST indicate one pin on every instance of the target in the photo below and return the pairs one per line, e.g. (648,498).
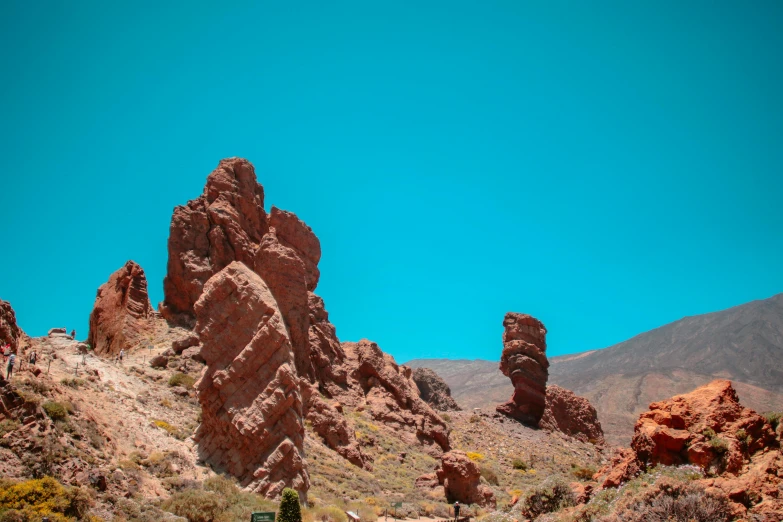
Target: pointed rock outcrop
(524,361)
(10,333)
(122,316)
(252,410)
(434,390)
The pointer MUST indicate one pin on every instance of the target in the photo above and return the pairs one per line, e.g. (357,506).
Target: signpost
(262,517)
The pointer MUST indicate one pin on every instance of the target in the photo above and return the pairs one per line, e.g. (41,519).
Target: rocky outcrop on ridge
(573,415)
(10,333)
(252,411)
(434,390)
(122,315)
(524,362)
(389,394)
(709,428)
(460,479)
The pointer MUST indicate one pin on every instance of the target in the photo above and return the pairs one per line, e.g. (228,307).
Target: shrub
(8,425)
(773,418)
(719,445)
(475,418)
(446,417)
(290,511)
(670,500)
(489,475)
(73,383)
(33,499)
(583,473)
(327,514)
(475,457)
(743,437)
(55,410)
(551,495)
(182,379)
(709,433)
(519,464)
(168,428)
(196,505)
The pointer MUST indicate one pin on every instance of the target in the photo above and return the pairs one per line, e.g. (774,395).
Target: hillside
(743,344)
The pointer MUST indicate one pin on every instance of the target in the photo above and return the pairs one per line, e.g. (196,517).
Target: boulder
(122,317)
(57,331)
(524,362)
(10,333)
(460,478)
(255,433)
(180,345)
(159,361)
(193,353)
(570,414)
(434,390)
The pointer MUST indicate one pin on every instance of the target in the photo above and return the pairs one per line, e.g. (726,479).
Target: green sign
(397,505)
(262,517)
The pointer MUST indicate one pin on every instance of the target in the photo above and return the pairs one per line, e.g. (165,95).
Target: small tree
(289,507)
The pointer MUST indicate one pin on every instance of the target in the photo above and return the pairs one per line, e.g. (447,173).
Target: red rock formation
(225,224)
(524,361)
(10,333)
(709,428)
(228,223)
(122,314)
(391,396)
(460,478)
(434,390)
(573,415)
(252,412)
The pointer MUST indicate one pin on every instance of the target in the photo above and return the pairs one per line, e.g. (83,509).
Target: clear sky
(605,166)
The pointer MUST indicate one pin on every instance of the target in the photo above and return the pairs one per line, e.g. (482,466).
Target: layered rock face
(709,428)
(10,333)
(460,479)
(252,411)
(122,314)
(573,415)
(434,390)
(524,361)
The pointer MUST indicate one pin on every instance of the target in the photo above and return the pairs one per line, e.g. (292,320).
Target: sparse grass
(719,445)
(74,383)
(583,473)
(488,474)
(165,403)
(520,464)
(171,430)
(8,425)
(183,380)
(220,500)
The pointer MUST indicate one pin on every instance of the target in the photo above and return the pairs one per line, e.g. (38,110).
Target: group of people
(9,358)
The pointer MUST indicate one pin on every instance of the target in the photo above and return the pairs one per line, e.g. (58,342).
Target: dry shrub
(674,501)
(551,495)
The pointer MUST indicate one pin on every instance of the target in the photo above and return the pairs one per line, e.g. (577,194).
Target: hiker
(122,354)
(73,334)
(456,510)
(10,368)
(33,358)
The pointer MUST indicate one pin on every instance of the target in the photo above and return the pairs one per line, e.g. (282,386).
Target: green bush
(519,464)
(583,473)
(55,410)
(551,495)
(182,379)
(197,505)
(328,514)
(32,499)
(290,511)
(8,425)
(719,445)
(773,418)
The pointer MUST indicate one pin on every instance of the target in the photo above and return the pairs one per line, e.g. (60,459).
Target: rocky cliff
(122,315)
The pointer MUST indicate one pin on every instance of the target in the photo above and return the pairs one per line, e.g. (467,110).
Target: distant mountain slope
(744,344)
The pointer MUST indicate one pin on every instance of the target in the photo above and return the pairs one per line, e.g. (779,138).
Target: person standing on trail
(10,368)
(122,354)
(73,334)
(33,358)
(456,510)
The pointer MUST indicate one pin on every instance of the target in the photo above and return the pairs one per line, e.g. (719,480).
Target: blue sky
(605,166)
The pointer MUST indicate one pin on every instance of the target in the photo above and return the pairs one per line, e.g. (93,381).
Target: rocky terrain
(743,344)
(240,387)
